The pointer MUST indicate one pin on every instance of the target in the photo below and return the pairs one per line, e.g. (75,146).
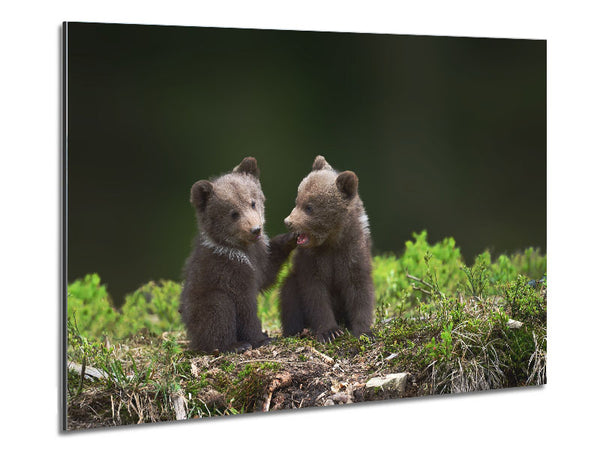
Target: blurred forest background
(445,134)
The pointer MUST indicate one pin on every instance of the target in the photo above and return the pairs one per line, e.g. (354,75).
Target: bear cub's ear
(201,192)
(347,183)
(321,164)
(249,166)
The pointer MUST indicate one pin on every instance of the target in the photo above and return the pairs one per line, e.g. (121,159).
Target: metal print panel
(260,220)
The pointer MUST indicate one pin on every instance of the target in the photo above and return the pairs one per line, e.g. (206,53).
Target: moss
(250,385)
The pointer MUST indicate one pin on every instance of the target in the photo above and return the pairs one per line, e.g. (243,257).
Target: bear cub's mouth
(302,239)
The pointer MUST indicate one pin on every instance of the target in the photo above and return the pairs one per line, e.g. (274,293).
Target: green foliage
(120,373)
(530,263)
(89,304)
(452,325)
(84,352)
(128,386)
(394,289)
(478,276)
(425,271)
(405,285)
(268,301)
(243,389)
(465,343)
(227,366)
(443,348)
(153,307)
(523,300)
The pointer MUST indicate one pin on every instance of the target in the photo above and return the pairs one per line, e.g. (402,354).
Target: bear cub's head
(230,209)
(325,200)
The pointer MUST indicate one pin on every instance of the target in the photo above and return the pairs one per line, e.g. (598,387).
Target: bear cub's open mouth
(302,239)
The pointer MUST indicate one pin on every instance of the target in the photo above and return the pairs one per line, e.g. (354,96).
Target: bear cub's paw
(329,335)
(236,347)
(265,341)
(286,241)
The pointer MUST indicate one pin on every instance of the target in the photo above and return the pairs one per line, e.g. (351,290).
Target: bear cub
(232,260)
(330,283)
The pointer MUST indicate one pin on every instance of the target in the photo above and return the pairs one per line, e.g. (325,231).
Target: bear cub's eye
(253,204)
(235,215)
(308,209)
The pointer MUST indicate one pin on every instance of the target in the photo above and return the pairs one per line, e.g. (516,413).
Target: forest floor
(441,327)
(287,373)
(151,378)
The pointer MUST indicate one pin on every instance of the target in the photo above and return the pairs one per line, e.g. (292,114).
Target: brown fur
(231,262)
(330,282)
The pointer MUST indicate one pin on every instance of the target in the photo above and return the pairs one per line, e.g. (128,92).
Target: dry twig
(281,380)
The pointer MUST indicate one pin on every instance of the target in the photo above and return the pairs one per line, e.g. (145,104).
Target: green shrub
(396,293)
(524,301)
(405,282)
(478,276)
(425,280)
(451,325)
(530,263)
(89,304)
(154,307)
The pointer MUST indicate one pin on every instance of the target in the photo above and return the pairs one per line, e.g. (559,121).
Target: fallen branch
(280,361)
(283,379)
(327,359)
(86,371)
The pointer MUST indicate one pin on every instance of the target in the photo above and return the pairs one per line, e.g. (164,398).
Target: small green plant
(227,366)
(364,343)
(442,349)
(478,276)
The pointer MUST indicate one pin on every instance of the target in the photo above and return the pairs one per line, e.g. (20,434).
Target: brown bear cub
(231,262)
(330,283)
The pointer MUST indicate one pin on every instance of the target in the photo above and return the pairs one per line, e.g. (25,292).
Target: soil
(305,377)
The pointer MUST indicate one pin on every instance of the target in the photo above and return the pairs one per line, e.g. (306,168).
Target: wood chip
(179,405)
(392,356)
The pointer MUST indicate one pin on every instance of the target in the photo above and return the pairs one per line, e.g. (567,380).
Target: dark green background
(445,134)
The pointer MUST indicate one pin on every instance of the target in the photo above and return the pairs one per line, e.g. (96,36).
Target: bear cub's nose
(255,231)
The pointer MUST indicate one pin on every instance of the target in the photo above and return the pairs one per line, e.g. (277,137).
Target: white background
(565,412)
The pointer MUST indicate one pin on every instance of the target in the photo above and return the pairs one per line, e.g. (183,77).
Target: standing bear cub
(330,282)
(231,262)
